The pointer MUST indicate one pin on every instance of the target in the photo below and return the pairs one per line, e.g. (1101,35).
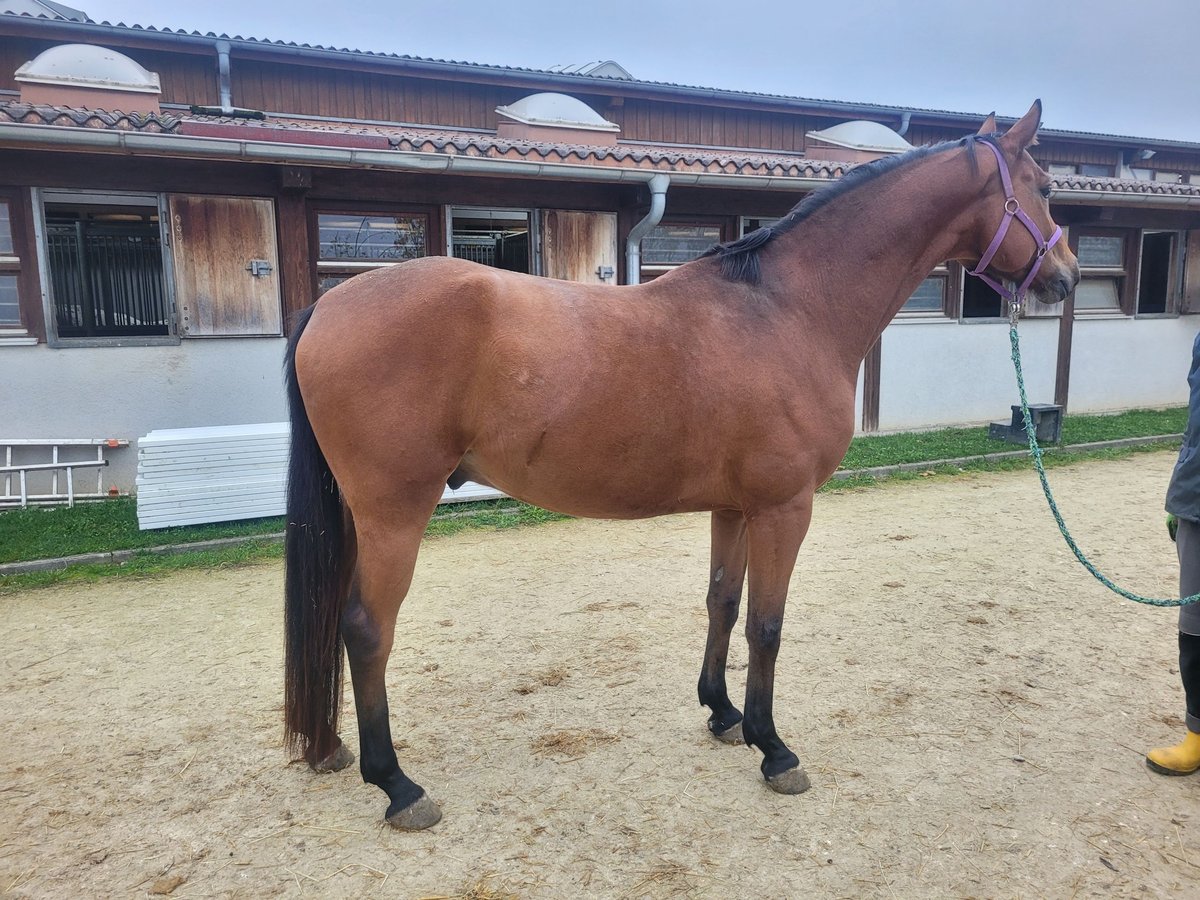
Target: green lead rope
(1036,452)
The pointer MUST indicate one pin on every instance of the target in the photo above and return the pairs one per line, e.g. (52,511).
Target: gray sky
(1111,66)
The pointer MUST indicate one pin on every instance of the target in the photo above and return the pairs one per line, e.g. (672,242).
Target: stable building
(169,199)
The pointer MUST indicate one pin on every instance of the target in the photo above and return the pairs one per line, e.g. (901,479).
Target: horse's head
(1030,253)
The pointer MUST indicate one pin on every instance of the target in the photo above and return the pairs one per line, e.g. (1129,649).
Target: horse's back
(593,399)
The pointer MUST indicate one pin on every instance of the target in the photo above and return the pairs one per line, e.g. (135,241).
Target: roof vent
(858,141)
(88,77)
(604,68)
(45,9)
(555,118)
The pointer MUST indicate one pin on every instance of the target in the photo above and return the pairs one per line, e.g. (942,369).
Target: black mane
(739,259)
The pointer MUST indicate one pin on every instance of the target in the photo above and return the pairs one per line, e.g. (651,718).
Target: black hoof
(731,735)
(422,813)
(727,726)
(335,761)
(793,781)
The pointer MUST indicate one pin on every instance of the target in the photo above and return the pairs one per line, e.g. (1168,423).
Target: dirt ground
(972,707)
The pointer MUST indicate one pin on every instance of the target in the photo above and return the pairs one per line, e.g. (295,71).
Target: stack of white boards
(187,476)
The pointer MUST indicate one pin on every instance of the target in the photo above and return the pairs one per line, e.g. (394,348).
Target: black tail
(314,584)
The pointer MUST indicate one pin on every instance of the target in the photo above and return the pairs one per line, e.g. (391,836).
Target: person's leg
(1184,757)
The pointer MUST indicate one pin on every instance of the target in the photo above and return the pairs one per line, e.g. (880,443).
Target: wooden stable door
(226,266)
(579,246)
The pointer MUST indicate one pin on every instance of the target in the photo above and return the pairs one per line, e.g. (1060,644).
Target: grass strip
(40,533)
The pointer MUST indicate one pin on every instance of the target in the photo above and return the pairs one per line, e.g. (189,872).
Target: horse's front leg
(386,557)
(774,540)
(726,576)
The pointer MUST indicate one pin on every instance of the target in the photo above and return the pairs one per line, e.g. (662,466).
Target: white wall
(1122,363)
(941,372)
(125,392)
(934,373)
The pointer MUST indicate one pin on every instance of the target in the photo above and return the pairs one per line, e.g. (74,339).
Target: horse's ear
(1024,133)
(989,125)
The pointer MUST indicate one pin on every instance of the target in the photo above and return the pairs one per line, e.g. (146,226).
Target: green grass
(50,531)
(952,443)
(112,525)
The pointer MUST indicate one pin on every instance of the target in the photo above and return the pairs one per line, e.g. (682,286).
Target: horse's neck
(849,268)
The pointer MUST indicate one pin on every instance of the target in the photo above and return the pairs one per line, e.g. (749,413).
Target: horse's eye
(1046,192)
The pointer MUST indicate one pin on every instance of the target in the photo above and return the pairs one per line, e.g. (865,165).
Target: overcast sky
(1127,67)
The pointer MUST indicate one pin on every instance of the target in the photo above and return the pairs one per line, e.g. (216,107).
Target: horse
(725,386)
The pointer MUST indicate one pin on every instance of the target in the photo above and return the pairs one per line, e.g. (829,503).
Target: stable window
(1159,273)
(503,238)
(10,274)
(1091,170)
(669,245)
(749,224)
(980,300)
(931,296)
(104,262)
(1105,284)
(350,243)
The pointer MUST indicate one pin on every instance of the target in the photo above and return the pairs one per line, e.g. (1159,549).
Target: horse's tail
(314,581)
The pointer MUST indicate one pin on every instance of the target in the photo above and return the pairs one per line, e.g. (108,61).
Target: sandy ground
(972,708)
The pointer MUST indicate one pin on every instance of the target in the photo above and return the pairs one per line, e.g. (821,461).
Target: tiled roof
(673,159)
(1124,186)
(843,107)
(450,143)
(33,114)
(487,145)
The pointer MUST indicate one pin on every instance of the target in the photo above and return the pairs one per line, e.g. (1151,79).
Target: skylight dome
(88,66)
(862,135)
(556,111)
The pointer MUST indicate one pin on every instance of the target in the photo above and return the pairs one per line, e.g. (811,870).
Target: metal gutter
(1077,197)
(136,143)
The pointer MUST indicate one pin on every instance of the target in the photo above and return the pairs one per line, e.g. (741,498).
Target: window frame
(649,271)
(1127,274)
(433,237)
(532,214)
(22,264)
(84,197)
(960,298)
(951,276)
(1175,273)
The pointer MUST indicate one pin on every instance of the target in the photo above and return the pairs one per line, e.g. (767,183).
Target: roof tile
(487,145)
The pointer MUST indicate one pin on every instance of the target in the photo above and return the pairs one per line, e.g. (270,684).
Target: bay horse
(727,385)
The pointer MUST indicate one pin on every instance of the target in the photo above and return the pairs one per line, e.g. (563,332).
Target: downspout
(225,86)
(658,185)
(225,81)
(905,121)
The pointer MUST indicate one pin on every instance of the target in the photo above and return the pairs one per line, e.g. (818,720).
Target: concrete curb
(119,556)
(885,471)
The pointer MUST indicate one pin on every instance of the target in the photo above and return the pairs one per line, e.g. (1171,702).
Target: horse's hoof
(731,735)
(417,816)
(793,781)
(335,761)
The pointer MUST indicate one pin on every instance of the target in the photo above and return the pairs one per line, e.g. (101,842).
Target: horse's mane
(739,259)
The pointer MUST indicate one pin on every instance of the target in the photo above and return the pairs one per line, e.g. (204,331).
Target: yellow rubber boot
(1182,759)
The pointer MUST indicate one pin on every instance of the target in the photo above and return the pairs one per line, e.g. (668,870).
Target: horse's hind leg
(726,576)
(387,553)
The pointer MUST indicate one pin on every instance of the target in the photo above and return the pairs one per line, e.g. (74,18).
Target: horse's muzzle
(1060,286)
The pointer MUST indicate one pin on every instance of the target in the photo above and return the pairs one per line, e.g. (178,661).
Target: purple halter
(1012,209)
